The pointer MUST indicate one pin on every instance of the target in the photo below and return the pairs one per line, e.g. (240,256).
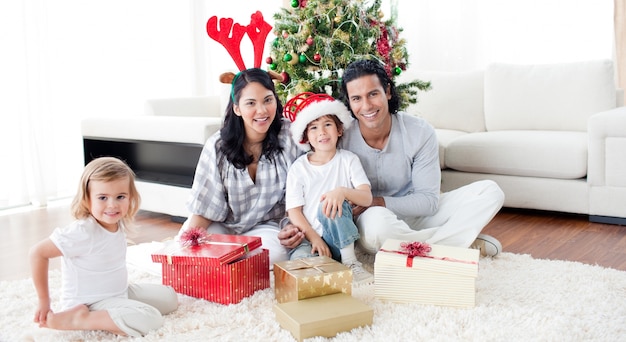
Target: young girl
(322,185)
(95,292)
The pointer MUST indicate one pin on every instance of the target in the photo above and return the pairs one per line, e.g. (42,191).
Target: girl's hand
(41,314)
(318,245)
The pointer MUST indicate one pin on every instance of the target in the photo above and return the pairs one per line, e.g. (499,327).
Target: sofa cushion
(444,138)
(455,101)
(549,154)
(547,97)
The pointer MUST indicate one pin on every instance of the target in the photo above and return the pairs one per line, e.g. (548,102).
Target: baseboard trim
(621,221)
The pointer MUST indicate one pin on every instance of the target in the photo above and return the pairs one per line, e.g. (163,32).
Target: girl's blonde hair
(105,169)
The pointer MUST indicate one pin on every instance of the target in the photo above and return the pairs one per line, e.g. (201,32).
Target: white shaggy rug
(518,299)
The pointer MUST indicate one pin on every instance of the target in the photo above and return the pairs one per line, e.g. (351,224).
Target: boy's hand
(319,246)
(332,203)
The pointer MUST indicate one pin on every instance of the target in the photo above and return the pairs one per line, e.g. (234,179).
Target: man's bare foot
(68,320)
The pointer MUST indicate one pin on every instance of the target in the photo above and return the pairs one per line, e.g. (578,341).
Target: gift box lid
(440,259)
(215,250)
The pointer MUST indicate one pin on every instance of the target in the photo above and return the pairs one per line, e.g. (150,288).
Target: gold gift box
(310,277)
(323,316)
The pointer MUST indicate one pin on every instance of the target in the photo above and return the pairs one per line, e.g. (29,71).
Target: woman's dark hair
(365,67)
(233,132)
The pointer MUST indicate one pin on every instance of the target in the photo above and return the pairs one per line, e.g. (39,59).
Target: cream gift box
(446,276)
(323,316)
(310,277)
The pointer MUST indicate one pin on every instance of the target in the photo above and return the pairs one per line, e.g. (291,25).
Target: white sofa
(162,146)
(552,136)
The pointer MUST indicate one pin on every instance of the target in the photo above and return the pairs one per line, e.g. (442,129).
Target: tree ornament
(285,34)
(397,71)
(293,61)
(273,66)
(309,41)
(302,58)
(286,77)
(287,57)
(269,60)
(295,3)
(317,57)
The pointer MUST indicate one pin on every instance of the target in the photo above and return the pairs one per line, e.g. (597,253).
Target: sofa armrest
(203,106)
(607,148)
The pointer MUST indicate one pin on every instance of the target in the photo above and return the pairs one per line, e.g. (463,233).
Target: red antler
(232,44)
(258,29)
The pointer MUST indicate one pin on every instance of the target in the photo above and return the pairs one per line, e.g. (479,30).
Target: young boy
(324,183)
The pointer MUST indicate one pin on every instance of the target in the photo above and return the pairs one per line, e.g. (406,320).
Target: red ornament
(317,57)
(269,60)
(285,76)
(309,41)
(285,34)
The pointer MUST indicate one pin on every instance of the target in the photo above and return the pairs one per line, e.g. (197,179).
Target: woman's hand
(290,236)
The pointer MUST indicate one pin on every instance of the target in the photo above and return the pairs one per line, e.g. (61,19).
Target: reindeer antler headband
(257,30)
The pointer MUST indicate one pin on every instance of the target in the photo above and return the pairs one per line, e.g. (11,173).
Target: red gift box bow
(421,249)
(197,236)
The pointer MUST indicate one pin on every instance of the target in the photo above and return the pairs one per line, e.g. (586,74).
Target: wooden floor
(544,235)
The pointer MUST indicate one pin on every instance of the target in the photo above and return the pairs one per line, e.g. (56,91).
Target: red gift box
(223,269)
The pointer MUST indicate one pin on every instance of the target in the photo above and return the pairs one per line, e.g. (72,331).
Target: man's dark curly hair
(365,67)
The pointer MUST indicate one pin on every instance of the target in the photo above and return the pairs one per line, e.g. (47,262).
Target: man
(400,155)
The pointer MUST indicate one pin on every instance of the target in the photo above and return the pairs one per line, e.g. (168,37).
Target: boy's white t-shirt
(94,262)
(306,183)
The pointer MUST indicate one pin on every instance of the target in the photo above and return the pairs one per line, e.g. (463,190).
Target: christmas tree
(317,39)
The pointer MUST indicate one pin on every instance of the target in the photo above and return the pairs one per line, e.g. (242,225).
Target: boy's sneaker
(487,244)
(359,274)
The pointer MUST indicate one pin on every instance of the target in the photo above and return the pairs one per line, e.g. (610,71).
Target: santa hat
(306,107)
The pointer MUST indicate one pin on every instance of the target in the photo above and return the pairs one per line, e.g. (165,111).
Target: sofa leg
(608,219)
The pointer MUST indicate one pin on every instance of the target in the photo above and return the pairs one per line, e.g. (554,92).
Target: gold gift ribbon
(316,267)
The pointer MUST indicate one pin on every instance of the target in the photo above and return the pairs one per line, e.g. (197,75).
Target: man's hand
(290,236)
(376,202)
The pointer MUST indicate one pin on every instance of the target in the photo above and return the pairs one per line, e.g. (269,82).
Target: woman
(239,185)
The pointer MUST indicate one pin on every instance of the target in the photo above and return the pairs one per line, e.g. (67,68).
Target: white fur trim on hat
(314,111)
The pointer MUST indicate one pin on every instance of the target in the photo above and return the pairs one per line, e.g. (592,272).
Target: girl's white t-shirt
(94,262)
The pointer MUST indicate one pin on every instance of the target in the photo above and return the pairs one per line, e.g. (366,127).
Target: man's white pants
(462,214)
